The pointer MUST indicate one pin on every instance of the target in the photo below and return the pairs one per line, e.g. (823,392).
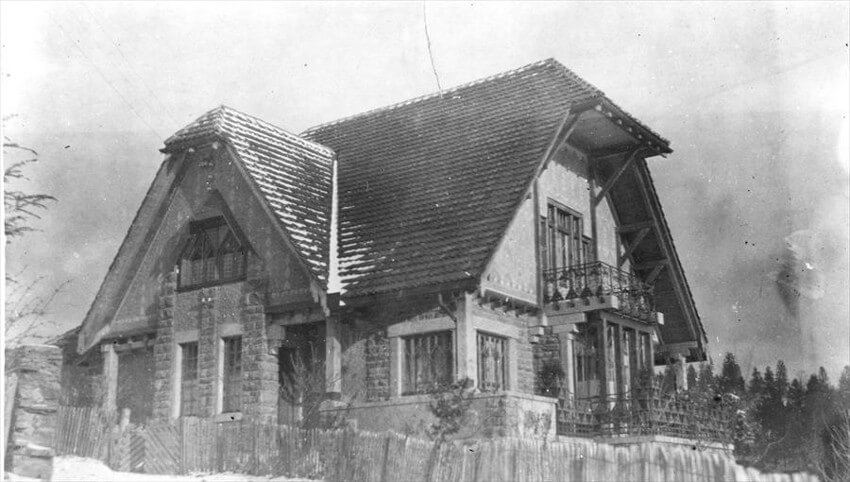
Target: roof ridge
(421,98)
(217,117)
(295,137)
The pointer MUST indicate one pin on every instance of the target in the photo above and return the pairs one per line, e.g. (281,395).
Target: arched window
(212,255)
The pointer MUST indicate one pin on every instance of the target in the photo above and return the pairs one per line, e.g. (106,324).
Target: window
(212,255)
(561,240)
(232,377)
(428,362)
(627,355)
(492,362)
(587,361)
(189,397)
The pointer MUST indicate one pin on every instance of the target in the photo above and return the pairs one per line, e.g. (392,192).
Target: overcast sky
(752,96)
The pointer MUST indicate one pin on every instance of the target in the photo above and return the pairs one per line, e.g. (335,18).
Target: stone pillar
(209,345)
(259,364)
(37,368)
(163,350)
(467,366)
(110,376)
(679,372)
(333,359)
(566,336)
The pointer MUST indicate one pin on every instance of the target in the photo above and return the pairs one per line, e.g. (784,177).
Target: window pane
(428,362)
(492,362)
(189,400)
(213,254)
(232,376)
(566,246)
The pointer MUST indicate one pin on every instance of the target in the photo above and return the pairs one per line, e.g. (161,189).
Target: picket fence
(192,445)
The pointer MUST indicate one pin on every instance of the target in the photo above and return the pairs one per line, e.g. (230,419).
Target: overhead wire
(84,26)
(105,79)
(130,65)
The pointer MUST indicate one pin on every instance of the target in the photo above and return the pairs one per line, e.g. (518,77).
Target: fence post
(386,461)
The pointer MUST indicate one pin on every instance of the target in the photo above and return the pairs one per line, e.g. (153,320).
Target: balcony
(648,414)
(594,286)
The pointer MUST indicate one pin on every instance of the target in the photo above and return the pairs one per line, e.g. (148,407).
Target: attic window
(212,255)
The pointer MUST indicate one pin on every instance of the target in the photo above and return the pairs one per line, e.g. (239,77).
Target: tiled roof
(292,173)
(427,187)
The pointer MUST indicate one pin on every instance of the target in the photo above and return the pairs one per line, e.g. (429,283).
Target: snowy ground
(79,469)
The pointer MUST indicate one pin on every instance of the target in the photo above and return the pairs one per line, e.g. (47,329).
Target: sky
(752,96)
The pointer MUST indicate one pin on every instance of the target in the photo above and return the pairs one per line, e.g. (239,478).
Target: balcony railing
(574,286)
(647,414)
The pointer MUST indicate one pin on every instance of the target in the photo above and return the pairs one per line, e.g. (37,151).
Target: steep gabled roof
(427,187)
(292,173)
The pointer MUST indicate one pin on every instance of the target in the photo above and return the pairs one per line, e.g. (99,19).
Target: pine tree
(730,379)
(756,387)
(781,382)
(769,382)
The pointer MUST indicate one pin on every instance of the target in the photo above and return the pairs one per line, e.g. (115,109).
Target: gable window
(189,396)
(212,255)
(232,375)
(561,240)
(428,362)
(492,362)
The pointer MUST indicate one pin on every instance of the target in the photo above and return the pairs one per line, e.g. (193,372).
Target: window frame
(575,246)
(195,404)
(409,386)
(213,250)
(231,386)
(504,341)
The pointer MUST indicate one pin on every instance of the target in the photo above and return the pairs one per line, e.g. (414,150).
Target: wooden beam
(630,228)
(630,248)
(653,275)
(591,184)
(650,264)
(613,179)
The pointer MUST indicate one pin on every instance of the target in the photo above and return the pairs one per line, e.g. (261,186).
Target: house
(505,232)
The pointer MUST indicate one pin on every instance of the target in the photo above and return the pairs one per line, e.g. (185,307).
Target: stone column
(679,371)
(33,413)
(467,366)
(163,350)
(333,359)
(110,376)
(566,336)
(259,364)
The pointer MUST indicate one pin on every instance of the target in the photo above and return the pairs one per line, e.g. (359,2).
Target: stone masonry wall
(205,320)
(32,418)
(162,350)
(205,312)
(378,366)
(260,368)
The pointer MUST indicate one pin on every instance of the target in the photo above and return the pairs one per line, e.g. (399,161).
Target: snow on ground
(80,469)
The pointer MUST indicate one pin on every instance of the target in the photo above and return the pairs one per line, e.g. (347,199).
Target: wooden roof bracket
(443,306)
(686,302)
(629,248)
(613,179)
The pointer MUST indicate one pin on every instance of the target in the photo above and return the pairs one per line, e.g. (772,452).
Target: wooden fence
(192,445)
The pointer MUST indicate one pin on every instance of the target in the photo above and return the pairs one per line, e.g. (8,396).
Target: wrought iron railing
(574,286)
(651,413)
